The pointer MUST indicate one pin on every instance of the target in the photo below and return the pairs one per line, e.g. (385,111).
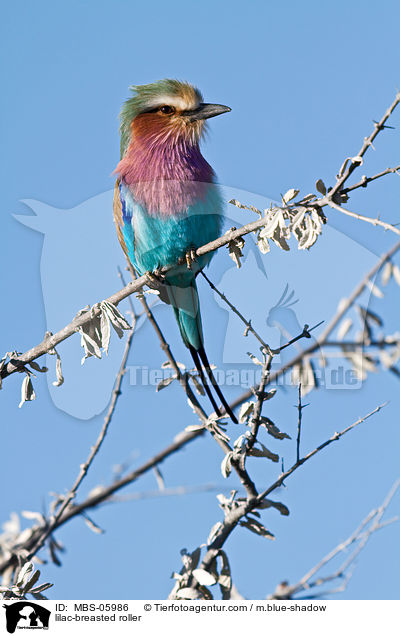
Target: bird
(167,202)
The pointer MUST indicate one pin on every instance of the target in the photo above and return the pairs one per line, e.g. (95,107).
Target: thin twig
(322,340)
(367,219)
(232,518)
(360,536)
(335,437)
(255,420)
(102,494)
(70,496)
(249,326)
(176,491)
(354,163)
(300,408)
(366,180)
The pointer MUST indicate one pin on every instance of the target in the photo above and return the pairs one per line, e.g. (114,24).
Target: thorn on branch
(379,126)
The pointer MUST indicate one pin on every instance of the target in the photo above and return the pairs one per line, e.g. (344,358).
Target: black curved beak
(205,111)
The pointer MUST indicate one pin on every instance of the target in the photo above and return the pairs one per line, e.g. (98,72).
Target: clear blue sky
(304,81)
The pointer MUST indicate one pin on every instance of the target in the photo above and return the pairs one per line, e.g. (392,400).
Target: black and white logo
(26,615)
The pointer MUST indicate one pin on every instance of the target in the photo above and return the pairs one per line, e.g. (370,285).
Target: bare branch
(367,219)
(233,518)
(355,162)
(335,437)
(359,538)
(70,496)
(366,180)
(322,340)
(249,326)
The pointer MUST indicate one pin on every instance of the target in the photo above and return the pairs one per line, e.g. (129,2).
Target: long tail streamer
(201,355)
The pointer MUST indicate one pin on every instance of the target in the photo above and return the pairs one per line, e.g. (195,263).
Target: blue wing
(153,241)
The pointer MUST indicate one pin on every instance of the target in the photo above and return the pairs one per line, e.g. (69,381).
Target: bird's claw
(154,280)
(191,257)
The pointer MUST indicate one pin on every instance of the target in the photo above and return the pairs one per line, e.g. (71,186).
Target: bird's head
(165,110)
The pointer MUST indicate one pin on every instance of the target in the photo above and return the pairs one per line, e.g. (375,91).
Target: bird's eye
(167,110)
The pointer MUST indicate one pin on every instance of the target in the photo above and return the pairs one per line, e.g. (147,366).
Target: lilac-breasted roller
(166,201)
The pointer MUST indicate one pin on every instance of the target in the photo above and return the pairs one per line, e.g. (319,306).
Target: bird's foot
(191,257)
(154,280)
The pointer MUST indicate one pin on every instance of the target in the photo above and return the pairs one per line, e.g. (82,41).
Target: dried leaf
(30,514)
(240,442)
(93,526)
(91,339)
(263,452)
(188,594)
(192,428)
(235,250)
(321,187)
(165,382)
(298,217)
(256,527)
(39,597)
(24,574)
(204,577)
(225,577)
(308,197)
(309,233)
(272,429)
(263,245)
(361,363)
(214,531)
(198,386)
(27,392)
(206,593)
(254,359)
(37,367)
(53,554)
(237,204)
(41,588)
(268,395)
(59,375)
(343,167)
(396,274)
(159,478)
(274,221)
(246,410)
(216,430)
(386,273)
(280,240)
(267,503)
(226,465)
(245,207)
(368,317)
(289,195)
(374,289)
(118,321)
(31,582)
(195,558)
(105,331)
(342,304)
(344,328)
